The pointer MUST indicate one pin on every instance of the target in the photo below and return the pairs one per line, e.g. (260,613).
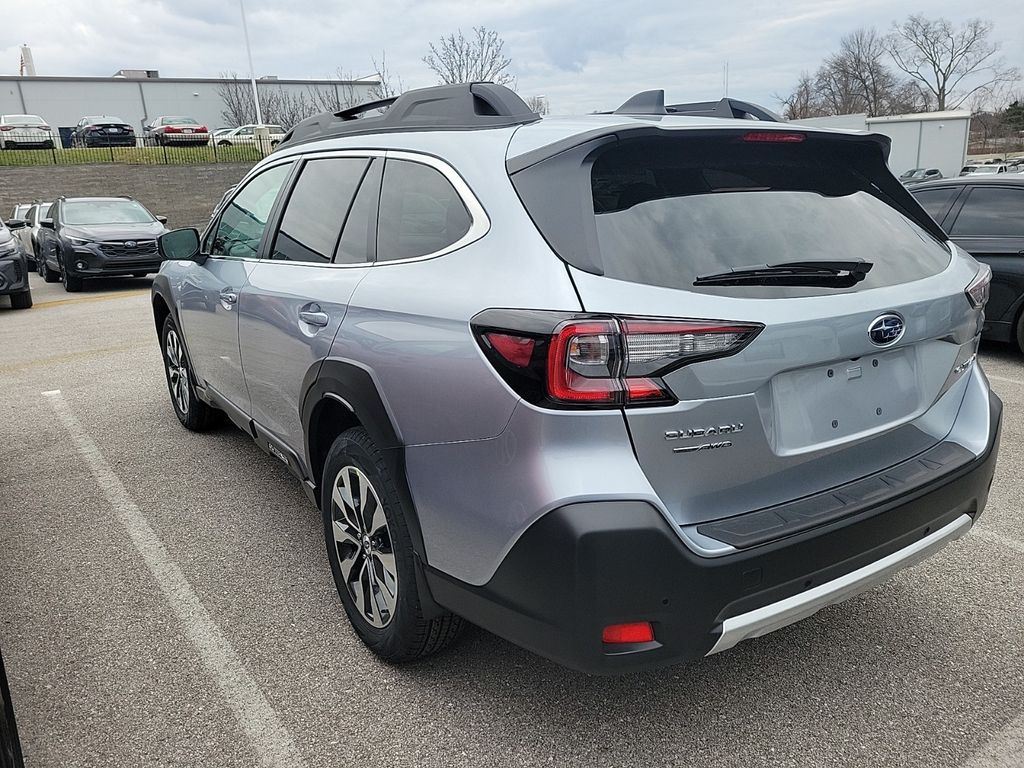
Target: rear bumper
(110,141)
(584,566)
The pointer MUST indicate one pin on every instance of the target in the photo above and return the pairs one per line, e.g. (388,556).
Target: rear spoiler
(882,179)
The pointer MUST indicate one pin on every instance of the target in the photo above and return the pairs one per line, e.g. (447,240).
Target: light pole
(252,73)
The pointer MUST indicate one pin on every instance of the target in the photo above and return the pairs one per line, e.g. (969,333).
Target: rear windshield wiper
(825,274)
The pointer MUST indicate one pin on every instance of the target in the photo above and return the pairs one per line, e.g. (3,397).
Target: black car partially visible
(103,131)
(984,215)
(10,746)
(14,266)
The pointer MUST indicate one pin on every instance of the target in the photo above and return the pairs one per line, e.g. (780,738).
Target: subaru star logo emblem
(129,243)
(885,330)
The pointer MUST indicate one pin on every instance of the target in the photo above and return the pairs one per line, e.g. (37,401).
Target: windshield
(986,169)
(20,211)
(179,121)
(106,212)
(103,119)
(275,129)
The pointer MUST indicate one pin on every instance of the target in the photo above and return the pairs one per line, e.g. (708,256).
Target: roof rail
(653,103)
(464,106)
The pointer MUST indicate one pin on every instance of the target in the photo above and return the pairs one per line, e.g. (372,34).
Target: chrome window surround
(480,223)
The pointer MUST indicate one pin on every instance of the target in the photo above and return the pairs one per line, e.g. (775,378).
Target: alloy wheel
(363,542)
(177,371)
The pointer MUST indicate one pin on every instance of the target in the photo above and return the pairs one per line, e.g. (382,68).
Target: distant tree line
(454,58)
(920,65)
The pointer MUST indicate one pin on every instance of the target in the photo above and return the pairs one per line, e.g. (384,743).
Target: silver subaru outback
(624,389)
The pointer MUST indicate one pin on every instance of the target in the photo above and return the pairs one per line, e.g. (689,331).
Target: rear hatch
(857,304)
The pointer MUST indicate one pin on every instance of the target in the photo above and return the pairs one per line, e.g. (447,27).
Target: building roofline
(921,116)
(216,80)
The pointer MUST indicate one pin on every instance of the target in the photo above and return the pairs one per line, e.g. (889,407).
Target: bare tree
(859,79)
(389,84)
(538,104)
(951,63)
(278,105)
(803,102)
(481,58)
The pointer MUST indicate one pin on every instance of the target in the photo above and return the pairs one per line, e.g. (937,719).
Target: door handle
(228,297)
(314,317)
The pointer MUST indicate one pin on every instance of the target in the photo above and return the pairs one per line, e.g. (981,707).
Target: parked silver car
(624,388)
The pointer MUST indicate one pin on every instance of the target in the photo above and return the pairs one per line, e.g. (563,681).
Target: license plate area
(831,403)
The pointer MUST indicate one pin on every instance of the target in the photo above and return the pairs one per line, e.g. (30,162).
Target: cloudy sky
(581,55)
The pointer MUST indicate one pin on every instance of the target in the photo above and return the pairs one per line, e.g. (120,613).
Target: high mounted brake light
(778,137)
(599,361)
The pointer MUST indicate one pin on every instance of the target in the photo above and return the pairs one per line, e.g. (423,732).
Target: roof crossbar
(464,106)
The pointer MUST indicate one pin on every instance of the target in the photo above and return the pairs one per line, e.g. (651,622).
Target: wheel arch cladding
(338,396)
(160,312)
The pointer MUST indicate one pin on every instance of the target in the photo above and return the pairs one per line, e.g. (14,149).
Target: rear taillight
(978,289)
(7,127)
(202,129)
(565,360)
(172,129)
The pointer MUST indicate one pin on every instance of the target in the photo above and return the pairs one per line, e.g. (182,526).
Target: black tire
(50,275)
(33,267)
(72,283)
(406,635)
(196,415)
(21,300)
(223,143)
(1019,331)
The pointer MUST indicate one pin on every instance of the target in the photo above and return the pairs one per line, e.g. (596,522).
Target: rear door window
(420,212)
(317,208)
(937,201)
(991,212)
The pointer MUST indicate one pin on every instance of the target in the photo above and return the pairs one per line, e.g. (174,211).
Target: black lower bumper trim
(584,566)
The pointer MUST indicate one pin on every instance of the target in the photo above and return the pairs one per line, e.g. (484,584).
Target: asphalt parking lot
(165,601)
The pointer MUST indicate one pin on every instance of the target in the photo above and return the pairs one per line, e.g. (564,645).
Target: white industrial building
(135,95)
(922,140)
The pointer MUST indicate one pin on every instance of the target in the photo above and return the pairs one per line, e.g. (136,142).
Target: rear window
(669,210)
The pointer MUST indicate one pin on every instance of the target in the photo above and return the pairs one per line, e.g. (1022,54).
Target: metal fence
(22,148)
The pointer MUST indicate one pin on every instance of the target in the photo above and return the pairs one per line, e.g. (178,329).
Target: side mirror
(46,223)
(13,224)
(162,219)
(181,245)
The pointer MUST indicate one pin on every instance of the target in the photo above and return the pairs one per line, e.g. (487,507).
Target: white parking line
(270,739)
(997,538)
(1003,378)
(1004,750)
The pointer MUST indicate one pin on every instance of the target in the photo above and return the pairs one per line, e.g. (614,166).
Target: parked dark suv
(623,388)
(87,237)
(984,215)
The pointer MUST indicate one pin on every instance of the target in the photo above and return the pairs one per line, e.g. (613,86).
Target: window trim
(957,195)
(479,224)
